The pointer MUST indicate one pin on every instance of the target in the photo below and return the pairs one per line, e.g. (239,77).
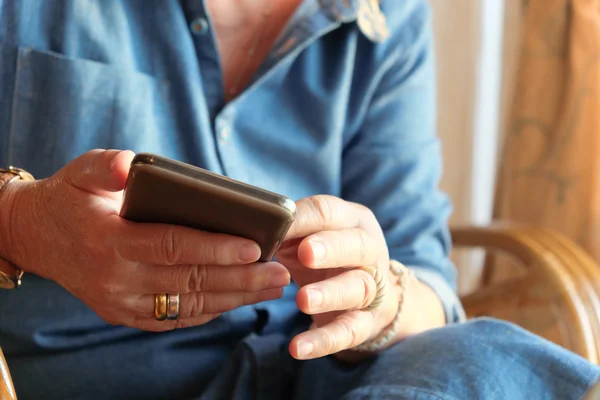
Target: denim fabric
(480,359)
(331,110)
(335,108)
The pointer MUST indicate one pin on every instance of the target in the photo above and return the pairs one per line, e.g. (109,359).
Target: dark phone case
(162,190)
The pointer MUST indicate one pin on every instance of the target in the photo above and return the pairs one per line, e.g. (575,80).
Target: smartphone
(162,190)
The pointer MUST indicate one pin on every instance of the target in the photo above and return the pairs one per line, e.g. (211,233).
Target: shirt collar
(366,13)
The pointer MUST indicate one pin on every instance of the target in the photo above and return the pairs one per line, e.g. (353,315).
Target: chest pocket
(54,108)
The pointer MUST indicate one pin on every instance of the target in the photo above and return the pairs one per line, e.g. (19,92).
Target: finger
(350,290)
(346,331)
(289,258)
(193,305)
(169,245)
(99,171)
(318,213)
(342,248)
(150,279)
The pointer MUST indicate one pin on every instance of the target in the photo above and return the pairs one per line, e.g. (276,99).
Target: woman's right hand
(67,228)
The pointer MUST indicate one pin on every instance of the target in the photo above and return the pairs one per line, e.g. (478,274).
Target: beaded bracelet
(403,277)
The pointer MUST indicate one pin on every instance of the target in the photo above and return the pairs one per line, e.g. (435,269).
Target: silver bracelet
(403,277)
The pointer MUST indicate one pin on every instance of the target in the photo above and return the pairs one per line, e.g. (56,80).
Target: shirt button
(199,26)
(224,134)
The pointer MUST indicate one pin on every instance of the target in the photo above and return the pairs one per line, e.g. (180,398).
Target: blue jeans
(479,359)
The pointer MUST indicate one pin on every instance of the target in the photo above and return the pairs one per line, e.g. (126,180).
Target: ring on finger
(172,306)
(380,283)
(160,306)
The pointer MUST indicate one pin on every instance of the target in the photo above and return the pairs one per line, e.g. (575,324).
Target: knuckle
(321,207)
(245,299)
(328,342)
(340,247)
(250,282)
(348,326)
(364,244)
(197,278)
(338,297)
(215,253)
(105,290)
(105,287)
(197,304)
(137,309)
(168,248)
(109,285)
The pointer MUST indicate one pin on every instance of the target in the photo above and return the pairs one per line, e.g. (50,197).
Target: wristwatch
(10,275)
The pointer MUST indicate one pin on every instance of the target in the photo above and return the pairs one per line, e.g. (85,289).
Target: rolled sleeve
(393,164)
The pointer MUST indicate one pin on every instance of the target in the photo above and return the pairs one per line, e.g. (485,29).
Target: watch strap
(10,275)
(7,177)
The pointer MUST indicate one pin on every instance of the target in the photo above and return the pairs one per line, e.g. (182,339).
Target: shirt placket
(313,19)
(207,54)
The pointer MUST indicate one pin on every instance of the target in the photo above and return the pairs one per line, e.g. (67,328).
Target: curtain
(549,172)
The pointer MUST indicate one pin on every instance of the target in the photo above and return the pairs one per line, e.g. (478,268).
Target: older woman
(330,102)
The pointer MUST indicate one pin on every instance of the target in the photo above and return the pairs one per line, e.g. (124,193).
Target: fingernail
(279,279)
(315,298)
(319,251)
(249,252)
(305,348)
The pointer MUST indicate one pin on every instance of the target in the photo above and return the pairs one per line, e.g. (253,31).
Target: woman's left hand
(329,239)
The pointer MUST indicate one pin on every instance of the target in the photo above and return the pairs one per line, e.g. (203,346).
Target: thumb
(99,171)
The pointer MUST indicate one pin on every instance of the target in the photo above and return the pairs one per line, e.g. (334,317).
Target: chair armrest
(7,390)
(559,296)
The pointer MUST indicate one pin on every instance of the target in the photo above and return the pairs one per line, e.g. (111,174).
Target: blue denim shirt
(343,105)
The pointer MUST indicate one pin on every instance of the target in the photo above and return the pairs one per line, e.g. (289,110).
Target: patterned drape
(550,167)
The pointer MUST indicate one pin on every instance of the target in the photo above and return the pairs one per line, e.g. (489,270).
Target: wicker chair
(558,296)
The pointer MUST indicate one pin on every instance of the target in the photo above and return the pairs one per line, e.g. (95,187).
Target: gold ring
(172,306)
(160,306)
(381,284)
